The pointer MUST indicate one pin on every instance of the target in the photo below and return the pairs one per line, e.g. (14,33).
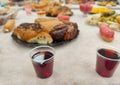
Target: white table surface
(74,62)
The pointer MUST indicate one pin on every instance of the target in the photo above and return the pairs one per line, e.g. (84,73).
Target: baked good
(9,26)
(59,32)
(46,31)
(41,13)
(72,31)
(64,32)
(32,33)
(48,23)
(41,38)
(107,3)
(41,5)
(55,9)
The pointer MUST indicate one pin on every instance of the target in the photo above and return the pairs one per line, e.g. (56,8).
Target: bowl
(11,14)
(4,18)
(14,13)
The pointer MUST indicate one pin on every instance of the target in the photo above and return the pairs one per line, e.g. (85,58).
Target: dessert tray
(55,43)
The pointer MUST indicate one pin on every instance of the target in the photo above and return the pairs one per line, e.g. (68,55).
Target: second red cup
(107,61)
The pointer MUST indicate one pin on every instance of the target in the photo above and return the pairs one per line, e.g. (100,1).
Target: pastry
(41,13)
(48,23)
(32,33)
(41,38)
(72,31)
(9,26)
(64,32)
(55,9)
(59,32)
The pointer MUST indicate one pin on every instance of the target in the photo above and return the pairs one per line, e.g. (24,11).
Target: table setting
(71,46)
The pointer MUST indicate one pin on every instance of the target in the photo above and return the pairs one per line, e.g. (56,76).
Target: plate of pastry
(52,9)
(45,31)
(107,3)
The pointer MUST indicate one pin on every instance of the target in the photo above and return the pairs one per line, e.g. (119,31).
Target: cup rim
(40,47)
(107,57)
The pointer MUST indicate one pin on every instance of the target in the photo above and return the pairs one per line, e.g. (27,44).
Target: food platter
(55,43)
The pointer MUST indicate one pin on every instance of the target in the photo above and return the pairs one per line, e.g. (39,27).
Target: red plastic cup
(42,60)
(107,61)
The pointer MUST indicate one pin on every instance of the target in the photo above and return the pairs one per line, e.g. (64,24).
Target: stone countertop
(74,64)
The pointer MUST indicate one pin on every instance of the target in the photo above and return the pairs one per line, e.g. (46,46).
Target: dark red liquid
(106,67)
(45,69)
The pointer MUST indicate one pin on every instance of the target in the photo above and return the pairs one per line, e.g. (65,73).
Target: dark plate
(49,15)
(91,13)
(55,43)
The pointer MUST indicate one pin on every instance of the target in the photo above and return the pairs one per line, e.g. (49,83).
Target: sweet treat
(32,33)
(41,13)
(42,38)
(46,31)
(63,18)
(59,32)
(106,3)
(102,3)
(106,33)
(9,26)
(41,5)
(72,31)
(52,8)
(55,9)
(65,31)
(48,23)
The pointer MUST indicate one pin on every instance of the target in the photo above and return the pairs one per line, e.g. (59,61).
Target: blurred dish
(96,10)
(7,13)
(52,8)
(107,3)
(109,18)
(4,18)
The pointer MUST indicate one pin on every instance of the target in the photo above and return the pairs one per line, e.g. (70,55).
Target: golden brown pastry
(48,23)
(41,5)
(64,32)
(42,38)
(9,26)
(32,33)
(55,9)
(26,31)
(72,31)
